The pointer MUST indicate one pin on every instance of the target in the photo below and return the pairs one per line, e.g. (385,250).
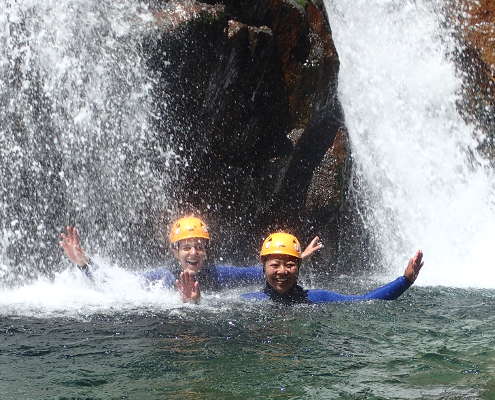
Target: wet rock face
(246,95)
(475,22)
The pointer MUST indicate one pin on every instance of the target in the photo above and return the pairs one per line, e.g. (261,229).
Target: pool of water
(432,343)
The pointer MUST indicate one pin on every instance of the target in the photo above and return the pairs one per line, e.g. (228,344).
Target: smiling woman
(281,272)
(281,258)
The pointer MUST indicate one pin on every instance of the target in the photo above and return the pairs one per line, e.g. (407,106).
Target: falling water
(423,184)
(76,130)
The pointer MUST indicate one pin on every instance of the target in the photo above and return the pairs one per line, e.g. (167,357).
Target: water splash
(77,140)
(112,289)
(70,293)
(426,185)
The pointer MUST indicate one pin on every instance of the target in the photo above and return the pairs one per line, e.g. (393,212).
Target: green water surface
(432,343)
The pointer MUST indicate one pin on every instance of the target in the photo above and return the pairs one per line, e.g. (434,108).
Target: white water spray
(71,293)
(77,145)
(76,136)
(426,186)
(111,289)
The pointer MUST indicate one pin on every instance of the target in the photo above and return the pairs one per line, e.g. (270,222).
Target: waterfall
(77,139)
(422,182)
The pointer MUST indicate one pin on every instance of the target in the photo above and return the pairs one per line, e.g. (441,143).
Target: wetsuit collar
(295,295)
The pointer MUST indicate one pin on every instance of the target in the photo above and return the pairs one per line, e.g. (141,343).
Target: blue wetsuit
(297,294)
(214,277)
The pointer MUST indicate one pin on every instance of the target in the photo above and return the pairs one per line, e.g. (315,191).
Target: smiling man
(281,259)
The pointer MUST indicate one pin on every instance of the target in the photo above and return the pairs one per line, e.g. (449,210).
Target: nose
(283,271)
(193,250)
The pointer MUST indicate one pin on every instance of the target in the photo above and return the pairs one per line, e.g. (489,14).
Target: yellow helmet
(187,228)
(281,243)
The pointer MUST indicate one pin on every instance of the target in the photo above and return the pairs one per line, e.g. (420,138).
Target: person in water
(281,259)
(189,239)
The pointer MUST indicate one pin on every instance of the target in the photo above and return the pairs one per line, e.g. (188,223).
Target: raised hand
(414,266)
(313,246)
(71,244)
(188,287)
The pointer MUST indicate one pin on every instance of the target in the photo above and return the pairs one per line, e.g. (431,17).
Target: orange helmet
(187,228)
(281,243)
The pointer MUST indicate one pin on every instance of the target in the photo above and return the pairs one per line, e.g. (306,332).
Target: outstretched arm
(313,246)
(390,291)
(188,287)
(70,242)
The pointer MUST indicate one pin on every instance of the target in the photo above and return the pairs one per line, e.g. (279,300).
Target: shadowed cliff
(248,94)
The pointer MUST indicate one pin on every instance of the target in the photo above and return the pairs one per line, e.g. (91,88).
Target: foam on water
(113,289)
(71,293)
(422,183)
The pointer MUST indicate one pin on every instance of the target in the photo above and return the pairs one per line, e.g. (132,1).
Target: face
(281,272)
(191,254)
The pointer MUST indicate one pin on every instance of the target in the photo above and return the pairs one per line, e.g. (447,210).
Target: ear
(175,251)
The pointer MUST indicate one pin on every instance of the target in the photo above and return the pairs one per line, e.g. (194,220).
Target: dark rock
(474,23)
(247,95)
